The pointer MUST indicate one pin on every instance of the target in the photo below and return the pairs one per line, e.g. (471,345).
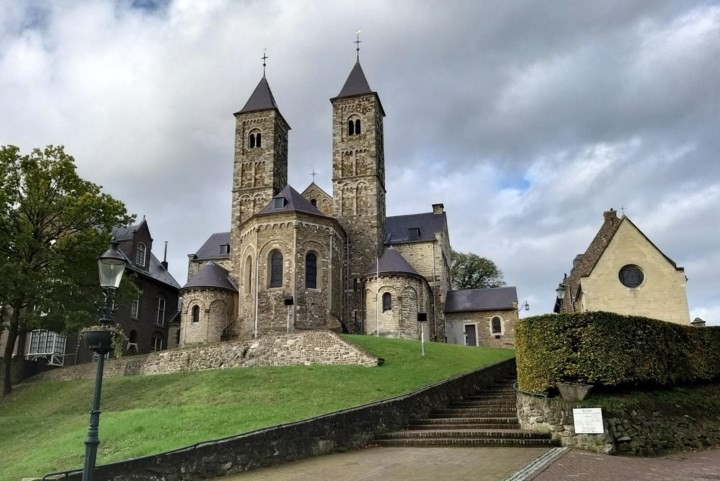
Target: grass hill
(44,425)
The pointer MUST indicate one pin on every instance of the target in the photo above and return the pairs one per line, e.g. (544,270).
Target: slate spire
(261,98)
(356,83)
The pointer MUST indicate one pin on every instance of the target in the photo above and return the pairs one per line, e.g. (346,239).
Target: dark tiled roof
(211,275)
(398,228)
(356,83)
(294,202)
(392,262)
(155,271)
(473,300)
(123,233)
(261,98)
(211,248)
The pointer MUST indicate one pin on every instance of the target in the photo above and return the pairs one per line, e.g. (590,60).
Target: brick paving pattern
(581,465)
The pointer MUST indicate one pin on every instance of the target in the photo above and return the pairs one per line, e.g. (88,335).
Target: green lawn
(44,425)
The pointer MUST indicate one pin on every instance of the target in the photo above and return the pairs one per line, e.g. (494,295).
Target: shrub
(611,349)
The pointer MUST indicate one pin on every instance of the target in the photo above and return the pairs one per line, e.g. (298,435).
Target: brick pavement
(580,465)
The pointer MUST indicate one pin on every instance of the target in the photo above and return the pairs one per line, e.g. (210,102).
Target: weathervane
(357,43)
(264,57)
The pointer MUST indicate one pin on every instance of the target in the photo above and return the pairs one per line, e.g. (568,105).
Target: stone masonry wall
(483,327)
(409,296)
(335,432)
(304,348)
(635,432)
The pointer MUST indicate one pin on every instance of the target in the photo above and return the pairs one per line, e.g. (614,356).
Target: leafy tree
(470,271)
(53,225)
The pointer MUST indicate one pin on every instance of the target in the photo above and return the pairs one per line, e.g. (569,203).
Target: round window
(631,276)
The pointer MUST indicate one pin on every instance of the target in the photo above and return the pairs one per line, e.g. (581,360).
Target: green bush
(610,349)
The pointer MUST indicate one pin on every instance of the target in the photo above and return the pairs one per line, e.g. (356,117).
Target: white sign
(588,421)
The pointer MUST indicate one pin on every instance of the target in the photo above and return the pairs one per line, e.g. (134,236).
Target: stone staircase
(487,418)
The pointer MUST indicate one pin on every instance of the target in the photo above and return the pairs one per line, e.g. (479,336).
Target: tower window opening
(255,140)
(357,127)
(351,127)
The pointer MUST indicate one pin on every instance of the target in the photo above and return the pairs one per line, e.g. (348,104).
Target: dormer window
(313,202)
(413,233)
(279,202)
(140,254)
(255,140)
(224,249)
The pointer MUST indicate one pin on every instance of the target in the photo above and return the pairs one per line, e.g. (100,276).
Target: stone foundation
(303,348)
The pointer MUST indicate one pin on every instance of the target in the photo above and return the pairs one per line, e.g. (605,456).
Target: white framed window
(160,311)
(135,308)
(140,254)
(48,344)
(156,342)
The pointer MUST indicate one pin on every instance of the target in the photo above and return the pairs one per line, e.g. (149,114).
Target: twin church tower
(309,260)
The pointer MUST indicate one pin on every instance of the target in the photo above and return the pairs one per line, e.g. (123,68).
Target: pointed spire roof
(392,262)
(290,200)
(356,83)
(261,98)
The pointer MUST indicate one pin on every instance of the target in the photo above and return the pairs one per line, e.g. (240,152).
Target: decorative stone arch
(353,125)
(255,138)
(362,202)
(248,270)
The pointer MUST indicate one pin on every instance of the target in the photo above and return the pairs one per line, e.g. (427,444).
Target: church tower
(261,157)
(359,181)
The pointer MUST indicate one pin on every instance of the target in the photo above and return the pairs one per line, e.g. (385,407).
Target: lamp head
(561,291)
(111,266)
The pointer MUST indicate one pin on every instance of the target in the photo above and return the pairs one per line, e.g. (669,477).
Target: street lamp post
(111,266)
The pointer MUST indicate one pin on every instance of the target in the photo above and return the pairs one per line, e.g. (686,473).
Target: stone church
(311,261)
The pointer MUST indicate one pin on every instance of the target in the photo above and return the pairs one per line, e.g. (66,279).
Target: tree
(470,271)
(53,225)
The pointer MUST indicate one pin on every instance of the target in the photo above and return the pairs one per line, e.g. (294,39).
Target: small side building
(482,317)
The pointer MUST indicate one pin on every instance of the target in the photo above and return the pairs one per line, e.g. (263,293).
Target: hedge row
(609,349)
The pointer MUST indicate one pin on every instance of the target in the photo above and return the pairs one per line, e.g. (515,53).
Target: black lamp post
(111,266)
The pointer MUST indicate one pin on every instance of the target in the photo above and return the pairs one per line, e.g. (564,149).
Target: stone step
(460,442)
(465,434)
(482,403)
(467,412)
(468,420)
(487,425)
(492,395)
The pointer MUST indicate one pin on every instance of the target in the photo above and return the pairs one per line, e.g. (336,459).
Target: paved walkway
(490,464)
(402,464)
(581,465)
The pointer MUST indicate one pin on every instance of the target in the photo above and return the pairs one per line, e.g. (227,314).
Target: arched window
(357,127)
(248,275)
(255,140)
(351,127)
(196,314)
(496,323)
(311,271)
(276,269)
(313,202)
(387,302)
(140,254)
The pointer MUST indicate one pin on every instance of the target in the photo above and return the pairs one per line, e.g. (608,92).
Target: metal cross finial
(313,173)
(357,43)
(623,210)
(264,57)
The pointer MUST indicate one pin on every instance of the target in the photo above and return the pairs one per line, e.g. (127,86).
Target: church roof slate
(155,268)
(211,275)
(211,248)
(392,262)
(473,300)
(261,98)
(397,228)
(294,202)
(356,83)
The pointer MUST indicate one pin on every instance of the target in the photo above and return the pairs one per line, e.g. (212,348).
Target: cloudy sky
(526,119)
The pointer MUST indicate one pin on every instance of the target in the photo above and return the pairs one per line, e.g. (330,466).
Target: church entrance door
(470,335)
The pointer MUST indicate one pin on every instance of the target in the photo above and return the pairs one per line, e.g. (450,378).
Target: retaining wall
(336,432)
(634,432)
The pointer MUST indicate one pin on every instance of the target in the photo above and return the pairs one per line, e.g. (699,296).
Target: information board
(588,421)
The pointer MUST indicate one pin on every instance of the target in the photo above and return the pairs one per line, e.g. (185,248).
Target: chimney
(438,209)
(164,262)
(610,216)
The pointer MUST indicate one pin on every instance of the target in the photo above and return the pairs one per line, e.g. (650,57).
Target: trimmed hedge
(609,349)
